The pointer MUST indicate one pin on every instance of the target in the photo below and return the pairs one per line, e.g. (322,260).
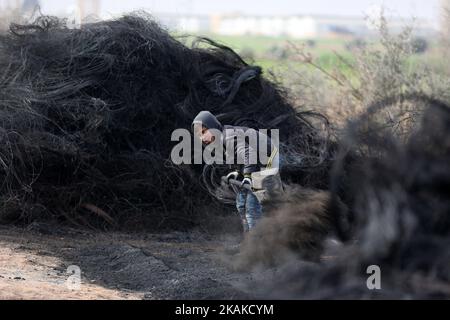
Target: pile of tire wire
(87,116)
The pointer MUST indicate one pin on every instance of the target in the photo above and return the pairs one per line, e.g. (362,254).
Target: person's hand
(232,175)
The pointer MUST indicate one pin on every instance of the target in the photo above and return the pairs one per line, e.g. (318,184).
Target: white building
(295,26)
(301,27)
(186,23)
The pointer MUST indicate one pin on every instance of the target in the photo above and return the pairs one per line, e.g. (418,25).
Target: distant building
(186,23)
(295,26)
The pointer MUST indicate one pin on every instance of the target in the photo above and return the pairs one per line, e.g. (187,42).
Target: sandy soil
(34,264)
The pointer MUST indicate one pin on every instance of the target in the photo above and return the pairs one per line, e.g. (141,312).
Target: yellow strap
(272,156)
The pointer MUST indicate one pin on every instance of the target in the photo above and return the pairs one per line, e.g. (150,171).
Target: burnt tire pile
(87,116)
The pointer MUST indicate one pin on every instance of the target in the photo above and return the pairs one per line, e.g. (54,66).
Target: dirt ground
(35,264)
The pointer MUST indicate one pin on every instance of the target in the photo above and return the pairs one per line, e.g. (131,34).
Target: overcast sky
(399,8)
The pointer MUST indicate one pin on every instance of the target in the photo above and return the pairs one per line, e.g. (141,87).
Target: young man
(252,149)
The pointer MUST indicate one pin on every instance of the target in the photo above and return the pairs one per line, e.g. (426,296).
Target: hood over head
(208,120)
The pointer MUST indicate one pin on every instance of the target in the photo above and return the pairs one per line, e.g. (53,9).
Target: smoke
(295,224)
(398,213)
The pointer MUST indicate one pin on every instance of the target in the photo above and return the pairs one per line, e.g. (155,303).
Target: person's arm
(250,155)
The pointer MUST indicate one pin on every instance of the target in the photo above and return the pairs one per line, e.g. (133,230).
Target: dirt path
(34,264)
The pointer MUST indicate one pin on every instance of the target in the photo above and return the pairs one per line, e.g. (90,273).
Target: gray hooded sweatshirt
(236,145)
